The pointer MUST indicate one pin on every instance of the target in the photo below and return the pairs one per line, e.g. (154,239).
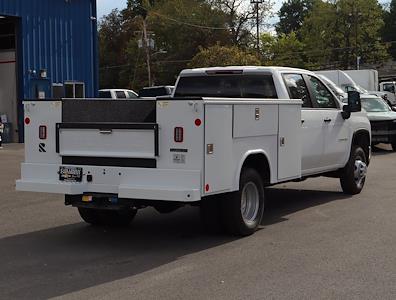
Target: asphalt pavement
(314,243)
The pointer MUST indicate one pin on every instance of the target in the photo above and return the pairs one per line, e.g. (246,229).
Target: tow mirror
(354,104)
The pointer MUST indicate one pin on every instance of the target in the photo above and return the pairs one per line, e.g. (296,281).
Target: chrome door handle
(327,120)
(106,131)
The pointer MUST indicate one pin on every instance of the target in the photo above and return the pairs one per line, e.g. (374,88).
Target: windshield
(375,105)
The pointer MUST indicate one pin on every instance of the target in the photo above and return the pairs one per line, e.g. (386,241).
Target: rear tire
(107,217)
(353,176)
(243,210)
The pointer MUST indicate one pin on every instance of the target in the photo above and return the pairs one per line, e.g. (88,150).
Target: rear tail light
(179,134)
(43,132)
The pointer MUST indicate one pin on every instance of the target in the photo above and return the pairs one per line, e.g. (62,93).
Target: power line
(142,65)
(189,24)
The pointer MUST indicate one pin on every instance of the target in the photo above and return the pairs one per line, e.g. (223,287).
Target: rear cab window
(105,94)
(227,86)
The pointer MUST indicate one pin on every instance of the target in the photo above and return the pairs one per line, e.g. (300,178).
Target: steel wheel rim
(250,203)
(360,172)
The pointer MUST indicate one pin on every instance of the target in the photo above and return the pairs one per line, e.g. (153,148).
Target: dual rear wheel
(239,213)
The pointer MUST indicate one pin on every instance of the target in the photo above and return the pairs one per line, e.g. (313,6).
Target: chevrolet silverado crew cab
(224,135)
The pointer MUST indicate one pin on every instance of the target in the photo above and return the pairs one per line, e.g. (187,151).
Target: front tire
(353,176)
(99,217)
(243,210)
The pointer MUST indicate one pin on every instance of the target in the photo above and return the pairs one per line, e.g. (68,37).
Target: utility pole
(146,41)
(147,49)
(356,15)
(257,4)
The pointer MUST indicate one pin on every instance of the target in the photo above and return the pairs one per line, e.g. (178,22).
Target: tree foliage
(283,50)
(336,33)
(241,18)
(292,14)
(389,30)
(312,34)
(222,56)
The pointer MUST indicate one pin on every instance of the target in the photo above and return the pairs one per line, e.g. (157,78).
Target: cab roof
(240,70)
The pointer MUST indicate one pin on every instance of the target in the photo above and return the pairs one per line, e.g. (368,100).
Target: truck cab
(389,87)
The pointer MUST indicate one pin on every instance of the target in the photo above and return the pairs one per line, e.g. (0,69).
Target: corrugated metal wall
(59,36)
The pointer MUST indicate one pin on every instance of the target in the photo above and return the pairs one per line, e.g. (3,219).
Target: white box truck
(225,135)
(363,81)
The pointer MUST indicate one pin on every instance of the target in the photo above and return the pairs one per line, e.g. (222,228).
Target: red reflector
(27,120)
(198,122)
(179,135)
(207,187)
(43,132)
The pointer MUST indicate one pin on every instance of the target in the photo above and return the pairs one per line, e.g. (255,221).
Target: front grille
(381,125)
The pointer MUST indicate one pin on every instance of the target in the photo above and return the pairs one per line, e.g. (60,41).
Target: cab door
(335,128)
(312,126)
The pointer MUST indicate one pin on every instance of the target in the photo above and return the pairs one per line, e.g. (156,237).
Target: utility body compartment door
(219,170)
(289,153)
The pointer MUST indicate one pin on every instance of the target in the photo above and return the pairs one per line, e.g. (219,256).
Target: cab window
(297,88)
(120,95)
(320,94)
(131,95)
(389,87)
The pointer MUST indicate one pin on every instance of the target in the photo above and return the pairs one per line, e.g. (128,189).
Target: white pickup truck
(225,135)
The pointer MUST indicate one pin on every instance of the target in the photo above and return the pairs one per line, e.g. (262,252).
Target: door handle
(106,131)
(302,121)
(327,120)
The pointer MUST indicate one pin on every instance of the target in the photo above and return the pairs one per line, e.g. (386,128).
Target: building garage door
(8,78)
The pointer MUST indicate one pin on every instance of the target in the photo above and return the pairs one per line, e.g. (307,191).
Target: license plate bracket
(70,174)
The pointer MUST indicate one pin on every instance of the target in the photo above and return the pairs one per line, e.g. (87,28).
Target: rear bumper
(129,183)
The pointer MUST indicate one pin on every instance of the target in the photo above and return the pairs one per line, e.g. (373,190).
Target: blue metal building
(50,46)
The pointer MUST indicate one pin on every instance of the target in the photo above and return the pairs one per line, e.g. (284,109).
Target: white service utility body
(199,143)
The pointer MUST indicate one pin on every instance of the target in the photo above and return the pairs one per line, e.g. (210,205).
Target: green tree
(282,50)
(336,33)
(180,27)
(241,18)
(292,14)
(111,45)
(389,30)
(223,56)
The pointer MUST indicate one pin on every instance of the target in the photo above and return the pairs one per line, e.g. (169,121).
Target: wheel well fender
(258,160)
(362,138)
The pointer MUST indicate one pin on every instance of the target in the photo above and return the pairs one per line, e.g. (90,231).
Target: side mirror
(354,104)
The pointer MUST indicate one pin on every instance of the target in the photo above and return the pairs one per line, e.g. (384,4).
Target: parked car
(382,119)
(117,94)
(156,91)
